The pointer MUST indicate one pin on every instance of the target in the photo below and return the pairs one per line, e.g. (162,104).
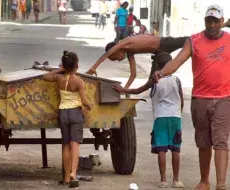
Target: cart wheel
(123,147)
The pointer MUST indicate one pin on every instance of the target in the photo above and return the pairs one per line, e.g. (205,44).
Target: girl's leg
(66,155)
(162,165)
(74,158)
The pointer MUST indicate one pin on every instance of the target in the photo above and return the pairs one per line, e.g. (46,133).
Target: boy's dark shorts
(168,45)
(71,124)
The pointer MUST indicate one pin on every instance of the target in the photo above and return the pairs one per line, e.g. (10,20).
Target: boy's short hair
(110,45)
(162,59)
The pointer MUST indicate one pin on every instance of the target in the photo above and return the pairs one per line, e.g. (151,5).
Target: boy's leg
(162,165)
(175,165)
(175,144)
(160,144)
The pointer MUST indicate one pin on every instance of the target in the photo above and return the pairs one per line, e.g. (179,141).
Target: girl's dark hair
(69,60)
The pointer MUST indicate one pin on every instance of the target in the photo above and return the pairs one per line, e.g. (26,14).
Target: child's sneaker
(177,184)
(163,185)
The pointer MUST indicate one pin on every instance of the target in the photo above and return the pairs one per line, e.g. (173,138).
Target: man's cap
(215,11)
(131,7)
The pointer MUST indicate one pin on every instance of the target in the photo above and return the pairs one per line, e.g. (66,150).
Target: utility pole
(0,10)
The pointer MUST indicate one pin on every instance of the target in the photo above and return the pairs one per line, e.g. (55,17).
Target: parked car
(110,3)
(79,5)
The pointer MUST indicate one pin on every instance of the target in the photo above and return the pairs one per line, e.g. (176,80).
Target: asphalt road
(20,46)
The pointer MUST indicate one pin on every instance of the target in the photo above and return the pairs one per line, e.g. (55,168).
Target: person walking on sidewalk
(167,105)
(22,7)
(142,28)
(36,9)
(130,21)
(14,8)
(103,11)
(71,118)
(120,22)
(62,11)
(28,9)
(97,9)
(210,52)
(137,45)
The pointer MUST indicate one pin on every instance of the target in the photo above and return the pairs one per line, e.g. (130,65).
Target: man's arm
(139,90)
(174,64)
(226,24)
(133,72)
(117,47)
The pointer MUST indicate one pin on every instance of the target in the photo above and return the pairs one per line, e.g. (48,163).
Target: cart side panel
(3,95)
(32,103)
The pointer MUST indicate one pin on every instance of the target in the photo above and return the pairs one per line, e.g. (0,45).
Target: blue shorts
(166,135)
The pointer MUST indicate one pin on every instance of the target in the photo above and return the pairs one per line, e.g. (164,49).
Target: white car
(95,7)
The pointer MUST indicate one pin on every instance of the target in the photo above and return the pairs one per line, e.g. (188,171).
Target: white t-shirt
(63,5)
(166,101)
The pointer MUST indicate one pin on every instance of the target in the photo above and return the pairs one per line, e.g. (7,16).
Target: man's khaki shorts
(211,120)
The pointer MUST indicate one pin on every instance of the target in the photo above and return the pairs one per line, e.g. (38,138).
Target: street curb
(30,21)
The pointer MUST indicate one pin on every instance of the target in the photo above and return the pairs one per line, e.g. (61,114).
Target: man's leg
(221,162)
(118,35)
(201,117)
(205,156)
(96,21)
(220,134)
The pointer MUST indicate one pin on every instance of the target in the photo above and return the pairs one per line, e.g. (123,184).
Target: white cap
(215,11)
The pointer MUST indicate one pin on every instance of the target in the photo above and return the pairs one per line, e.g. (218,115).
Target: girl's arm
(53,75)
(84,100)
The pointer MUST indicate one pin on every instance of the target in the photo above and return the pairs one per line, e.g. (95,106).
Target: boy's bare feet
(221,187)
(177,184)
(203,186)
(163,184)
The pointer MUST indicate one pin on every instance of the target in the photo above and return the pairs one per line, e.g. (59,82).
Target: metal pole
(0,10)
(44,148)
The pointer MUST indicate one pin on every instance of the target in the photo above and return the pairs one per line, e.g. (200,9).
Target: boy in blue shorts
(167,104)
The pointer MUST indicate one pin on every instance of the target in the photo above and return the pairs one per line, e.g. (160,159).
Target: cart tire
(123,147)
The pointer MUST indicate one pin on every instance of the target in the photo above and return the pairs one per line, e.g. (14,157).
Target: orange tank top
(211,66)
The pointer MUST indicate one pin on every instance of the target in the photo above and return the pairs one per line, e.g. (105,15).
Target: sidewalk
(42,16)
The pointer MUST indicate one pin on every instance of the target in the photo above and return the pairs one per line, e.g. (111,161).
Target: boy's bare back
(142,44)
